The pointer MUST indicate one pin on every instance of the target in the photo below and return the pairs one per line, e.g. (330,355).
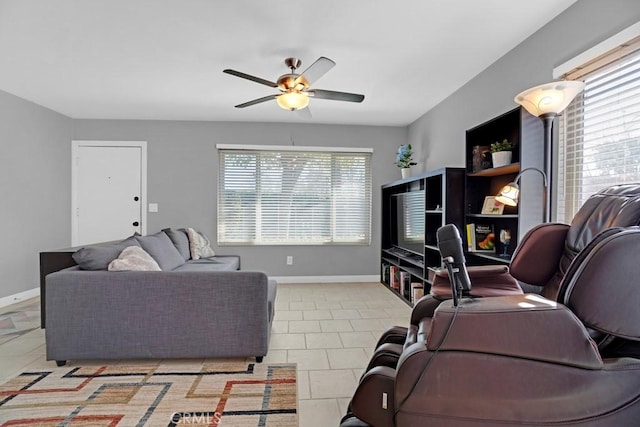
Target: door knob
(136,198)
(136,223)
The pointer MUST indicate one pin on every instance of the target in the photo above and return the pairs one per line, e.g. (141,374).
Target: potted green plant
(501,153)
(404,160)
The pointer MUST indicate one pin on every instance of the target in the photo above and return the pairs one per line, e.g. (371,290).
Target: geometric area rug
(225,393)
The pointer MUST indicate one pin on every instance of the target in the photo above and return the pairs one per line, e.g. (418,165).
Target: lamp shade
(509,194)
(292,100)
(550,98)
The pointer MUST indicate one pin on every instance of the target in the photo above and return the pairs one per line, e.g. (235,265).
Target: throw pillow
(98,257)
(180,241)
(159,246)
(199,245)
(134,258)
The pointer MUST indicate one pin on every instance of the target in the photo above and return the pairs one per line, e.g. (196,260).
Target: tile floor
(329,330)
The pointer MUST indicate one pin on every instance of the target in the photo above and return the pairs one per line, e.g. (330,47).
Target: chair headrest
(616,206)
(603,285)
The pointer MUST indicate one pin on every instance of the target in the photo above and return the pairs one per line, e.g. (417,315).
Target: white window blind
(600,130)
(273,197)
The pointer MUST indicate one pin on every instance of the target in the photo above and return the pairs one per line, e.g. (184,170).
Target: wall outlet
(289,259)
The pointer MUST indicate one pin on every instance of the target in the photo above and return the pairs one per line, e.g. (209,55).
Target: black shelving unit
(441,194)
(526,133)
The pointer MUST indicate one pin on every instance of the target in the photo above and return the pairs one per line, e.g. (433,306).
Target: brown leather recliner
(541,260)
(523,359)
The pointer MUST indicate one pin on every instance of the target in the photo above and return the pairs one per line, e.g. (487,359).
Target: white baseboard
(19,297)
(326,279)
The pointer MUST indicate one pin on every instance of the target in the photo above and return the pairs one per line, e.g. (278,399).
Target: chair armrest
(486,281)
(373,401)
(527,326)
(544,244)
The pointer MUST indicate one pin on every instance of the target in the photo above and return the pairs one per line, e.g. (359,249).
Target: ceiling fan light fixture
(293,100)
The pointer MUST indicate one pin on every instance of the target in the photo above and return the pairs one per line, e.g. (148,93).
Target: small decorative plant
(404,157)
(505,145)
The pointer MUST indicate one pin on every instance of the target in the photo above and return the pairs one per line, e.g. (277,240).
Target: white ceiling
(163,59)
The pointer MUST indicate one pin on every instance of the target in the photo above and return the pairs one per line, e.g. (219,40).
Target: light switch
(153,207)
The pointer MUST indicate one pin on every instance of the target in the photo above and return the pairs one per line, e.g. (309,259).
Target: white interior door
(108,191)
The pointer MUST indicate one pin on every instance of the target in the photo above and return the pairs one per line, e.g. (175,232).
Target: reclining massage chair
(523,331)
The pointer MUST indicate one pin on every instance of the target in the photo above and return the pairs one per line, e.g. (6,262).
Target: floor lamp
(547,101)
(510,192)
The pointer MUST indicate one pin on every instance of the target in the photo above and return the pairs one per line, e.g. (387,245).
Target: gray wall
(182,179)
(439,134)
(35,178)
(35,161)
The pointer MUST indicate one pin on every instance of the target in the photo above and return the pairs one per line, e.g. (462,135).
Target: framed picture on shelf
(491,206)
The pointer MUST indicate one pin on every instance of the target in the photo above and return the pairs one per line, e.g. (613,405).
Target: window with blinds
(278,197)
(600,130)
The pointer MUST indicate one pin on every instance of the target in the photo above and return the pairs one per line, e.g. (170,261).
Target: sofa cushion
(232,261)
(160,247)
(227,263)
(203,267)
(134,258)
(199,244)
(98,257)
(180,241)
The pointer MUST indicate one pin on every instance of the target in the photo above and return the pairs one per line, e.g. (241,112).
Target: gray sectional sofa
(192,308)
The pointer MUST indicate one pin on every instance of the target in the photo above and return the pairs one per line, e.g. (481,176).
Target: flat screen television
(407,221)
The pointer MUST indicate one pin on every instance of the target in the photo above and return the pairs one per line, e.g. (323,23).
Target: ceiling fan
(295,89)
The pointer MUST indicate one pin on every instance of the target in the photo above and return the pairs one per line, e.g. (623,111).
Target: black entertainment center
(412,211)
(414,208)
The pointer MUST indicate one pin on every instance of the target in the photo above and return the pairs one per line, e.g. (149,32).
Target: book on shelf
(470,240)
(405,283)
(417,291)
(481,238)
(394,277)
(385,273)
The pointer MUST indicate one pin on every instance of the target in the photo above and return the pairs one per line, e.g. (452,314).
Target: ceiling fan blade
(250,77)
(336,96)
(316,70)
(257,101)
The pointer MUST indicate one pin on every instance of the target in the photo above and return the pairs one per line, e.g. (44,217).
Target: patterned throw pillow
(134,258)
(199,245)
